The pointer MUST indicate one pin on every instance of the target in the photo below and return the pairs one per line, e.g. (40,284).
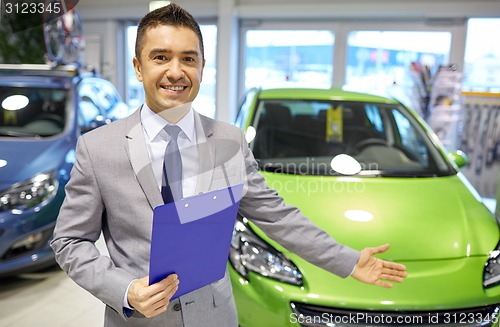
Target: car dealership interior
(378,119)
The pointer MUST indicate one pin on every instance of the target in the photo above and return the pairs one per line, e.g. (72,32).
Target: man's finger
(166,293)
(171,289)
(395,274)
(393,265)
(397,268)
(392,278)
(161,286)
(168,280)
(380,249)
(381,283)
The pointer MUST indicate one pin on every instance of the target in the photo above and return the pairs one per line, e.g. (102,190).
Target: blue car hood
(26,158)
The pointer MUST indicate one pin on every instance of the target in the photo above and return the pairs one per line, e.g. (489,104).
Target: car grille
(316,316)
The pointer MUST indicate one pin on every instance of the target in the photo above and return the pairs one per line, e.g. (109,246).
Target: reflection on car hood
(26,158)
(421,218)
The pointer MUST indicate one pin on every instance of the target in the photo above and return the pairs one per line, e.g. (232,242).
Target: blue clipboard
(191,237)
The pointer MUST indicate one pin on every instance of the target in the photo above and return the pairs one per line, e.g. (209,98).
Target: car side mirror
(459,158)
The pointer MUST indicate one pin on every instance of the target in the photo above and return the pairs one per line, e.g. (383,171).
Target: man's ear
(137,68)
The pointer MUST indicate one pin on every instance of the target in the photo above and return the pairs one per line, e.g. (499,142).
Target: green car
(369,171)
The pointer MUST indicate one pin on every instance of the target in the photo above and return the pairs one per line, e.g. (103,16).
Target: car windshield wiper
(17,134)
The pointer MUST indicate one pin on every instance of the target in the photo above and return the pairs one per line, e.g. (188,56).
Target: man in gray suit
(117,180)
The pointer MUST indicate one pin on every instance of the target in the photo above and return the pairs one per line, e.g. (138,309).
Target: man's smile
(175,88)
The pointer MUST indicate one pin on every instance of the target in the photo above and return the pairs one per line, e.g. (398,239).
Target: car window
(373,114)
(303,137)
(243,114)
(99,103)
(107,96)
(89,115)
(103,95)
(409,138)
(32,111)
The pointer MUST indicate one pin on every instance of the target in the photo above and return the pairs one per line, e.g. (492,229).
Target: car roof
(38,70)
(35,81)
(321,94)
(39,75)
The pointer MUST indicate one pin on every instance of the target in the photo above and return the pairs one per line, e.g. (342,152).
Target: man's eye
(190,59)
(160,57)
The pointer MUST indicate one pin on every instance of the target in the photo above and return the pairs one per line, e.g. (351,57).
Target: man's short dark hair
(170,15)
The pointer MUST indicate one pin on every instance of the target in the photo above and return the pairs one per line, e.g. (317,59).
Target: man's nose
(174,70)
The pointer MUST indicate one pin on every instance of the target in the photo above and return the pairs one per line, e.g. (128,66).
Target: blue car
(43,110)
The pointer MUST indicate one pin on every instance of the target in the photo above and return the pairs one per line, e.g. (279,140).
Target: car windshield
(302,137)
(32,111)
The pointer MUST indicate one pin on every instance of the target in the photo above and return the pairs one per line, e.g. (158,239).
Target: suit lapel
(206,151)
(139,156)
(139,159)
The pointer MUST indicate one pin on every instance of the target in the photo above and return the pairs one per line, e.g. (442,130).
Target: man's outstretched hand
(372,270)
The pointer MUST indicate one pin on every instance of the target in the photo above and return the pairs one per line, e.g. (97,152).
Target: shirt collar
(154,124)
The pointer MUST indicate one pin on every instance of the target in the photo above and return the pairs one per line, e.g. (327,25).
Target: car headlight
(30,193)
(250,253)
(492,269)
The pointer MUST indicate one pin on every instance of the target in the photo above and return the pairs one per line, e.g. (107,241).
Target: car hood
(421,218)
(26,158)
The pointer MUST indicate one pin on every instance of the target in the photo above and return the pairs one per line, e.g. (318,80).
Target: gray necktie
(171,189)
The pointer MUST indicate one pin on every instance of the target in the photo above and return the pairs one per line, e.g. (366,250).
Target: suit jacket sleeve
(288,226)
(78,228)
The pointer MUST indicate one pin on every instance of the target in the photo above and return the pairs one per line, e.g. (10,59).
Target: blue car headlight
(250,253)
(492,269)
(30,193)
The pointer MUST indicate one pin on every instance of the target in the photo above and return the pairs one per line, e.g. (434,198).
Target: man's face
(170,67)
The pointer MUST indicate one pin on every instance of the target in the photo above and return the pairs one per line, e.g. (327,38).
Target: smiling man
(120,176)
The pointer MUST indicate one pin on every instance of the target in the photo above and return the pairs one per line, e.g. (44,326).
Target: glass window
(245,108)
(482,55)
(102,95)
(378,59)
(281,58)
(32,111)
(134,94)
(409,138)
(302,137)
(205,101)
(89,115)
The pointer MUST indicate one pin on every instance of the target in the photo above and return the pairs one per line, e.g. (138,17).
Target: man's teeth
(174,88)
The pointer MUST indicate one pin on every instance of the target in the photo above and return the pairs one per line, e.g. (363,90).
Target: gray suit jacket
(113,189)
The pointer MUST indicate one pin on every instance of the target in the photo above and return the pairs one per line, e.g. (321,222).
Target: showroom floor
(51,299)
(48,299)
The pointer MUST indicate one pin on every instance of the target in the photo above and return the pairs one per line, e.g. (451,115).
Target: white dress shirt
(157,140)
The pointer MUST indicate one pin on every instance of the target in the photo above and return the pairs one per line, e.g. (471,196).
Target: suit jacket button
(177,307)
